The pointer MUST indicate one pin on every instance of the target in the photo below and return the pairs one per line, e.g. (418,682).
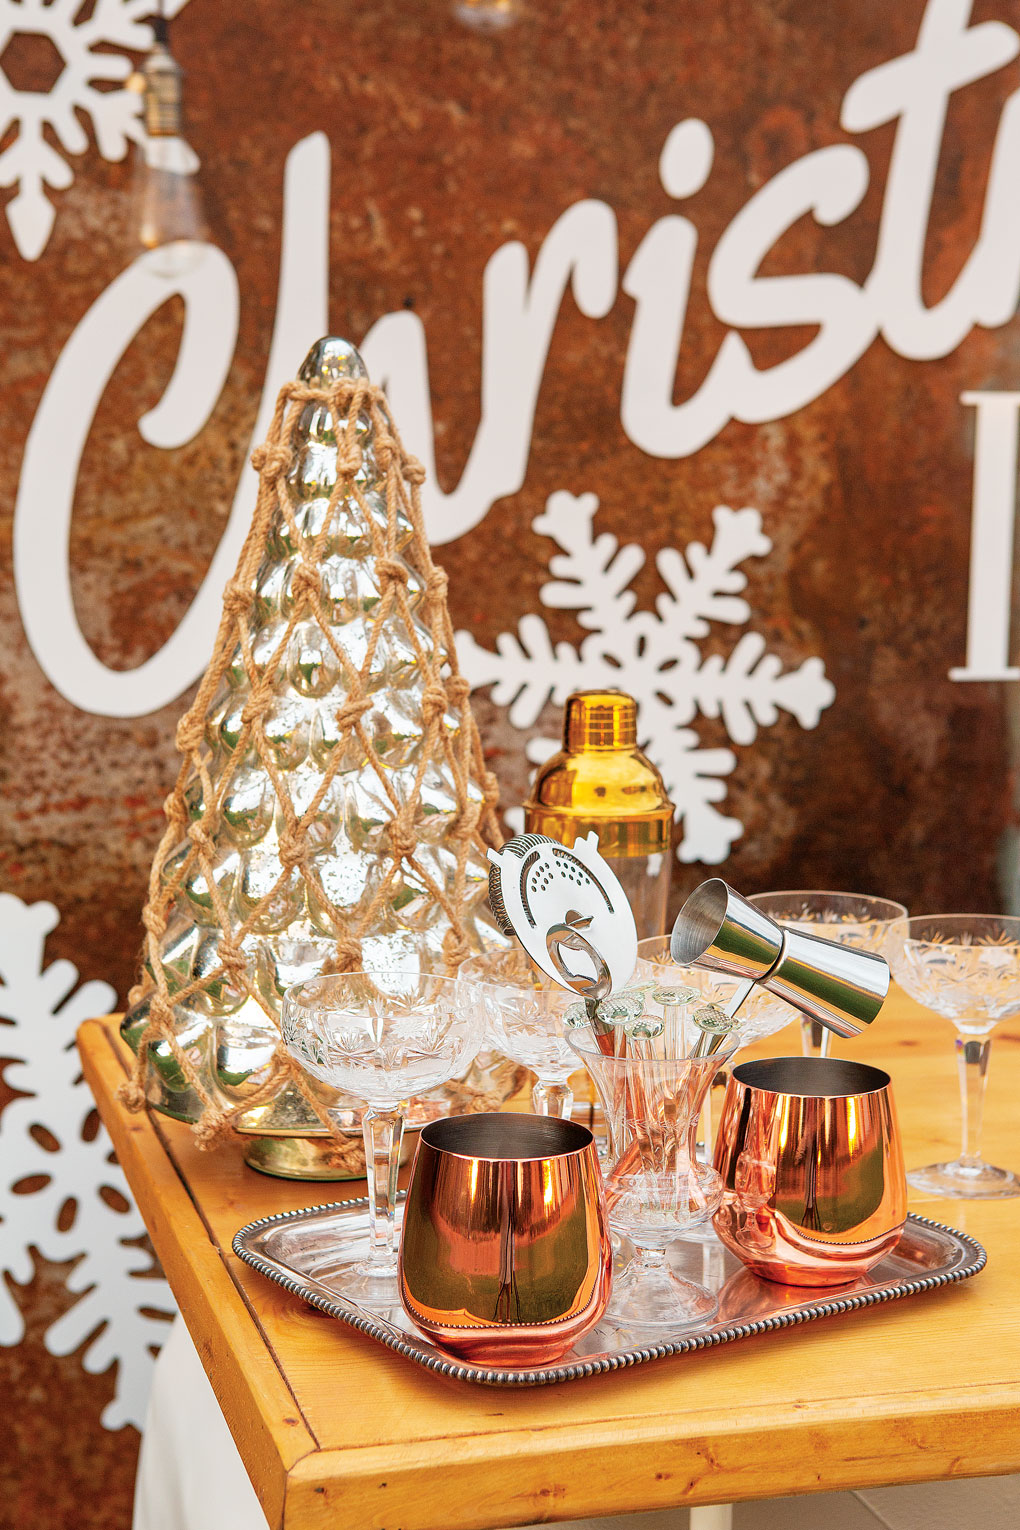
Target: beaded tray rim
(426,1354)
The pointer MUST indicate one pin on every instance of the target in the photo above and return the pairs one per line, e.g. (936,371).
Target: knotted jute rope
(189,842)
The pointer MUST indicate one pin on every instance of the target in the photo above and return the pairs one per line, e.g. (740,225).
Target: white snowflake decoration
(654,656)
(30,162)
(114,1309)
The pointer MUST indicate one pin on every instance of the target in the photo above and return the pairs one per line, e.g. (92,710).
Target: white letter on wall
(991,549)
(829,184)
(519,316)
(42,517)
(42,513)
(659,280)
(916,89)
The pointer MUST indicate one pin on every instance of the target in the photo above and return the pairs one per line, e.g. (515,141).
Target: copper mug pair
(814,1189)
(505,1252)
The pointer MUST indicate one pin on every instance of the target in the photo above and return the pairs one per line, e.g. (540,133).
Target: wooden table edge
(259,1406)
(388,1486)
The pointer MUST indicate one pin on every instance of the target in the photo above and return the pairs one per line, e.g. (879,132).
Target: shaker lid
(599,720)
(601,781)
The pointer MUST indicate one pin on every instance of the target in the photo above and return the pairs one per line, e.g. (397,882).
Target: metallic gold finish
(289,1157)
(814,1191)
(505,1253)
(602,781)
(599,720)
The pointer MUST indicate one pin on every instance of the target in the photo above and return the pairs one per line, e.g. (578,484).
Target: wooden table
(338,1432)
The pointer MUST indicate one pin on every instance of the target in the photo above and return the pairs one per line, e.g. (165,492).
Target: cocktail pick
(619,1023)
(840,986)
(714,1024)
(673,1001)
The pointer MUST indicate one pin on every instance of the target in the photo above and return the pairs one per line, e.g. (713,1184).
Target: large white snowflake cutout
(654,656)
(57,60)
(62,1192)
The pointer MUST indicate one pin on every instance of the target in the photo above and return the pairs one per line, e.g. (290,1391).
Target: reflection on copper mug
(505,1254)
(814,1191)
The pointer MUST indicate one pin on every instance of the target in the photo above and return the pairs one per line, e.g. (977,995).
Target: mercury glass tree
(333,809)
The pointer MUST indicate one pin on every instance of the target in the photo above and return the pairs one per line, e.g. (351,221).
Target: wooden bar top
(337,1431)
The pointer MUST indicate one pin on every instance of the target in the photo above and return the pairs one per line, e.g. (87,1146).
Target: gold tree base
(311,1158)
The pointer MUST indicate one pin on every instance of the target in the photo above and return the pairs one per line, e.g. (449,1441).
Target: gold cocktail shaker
(601,780)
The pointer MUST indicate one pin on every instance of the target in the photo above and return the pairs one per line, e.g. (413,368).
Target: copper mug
(814,1190)
(505,1252)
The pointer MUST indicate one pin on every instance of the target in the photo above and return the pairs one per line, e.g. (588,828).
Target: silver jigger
(839,986)
(720,930)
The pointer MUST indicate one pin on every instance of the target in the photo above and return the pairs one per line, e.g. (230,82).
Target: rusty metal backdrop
(434,166)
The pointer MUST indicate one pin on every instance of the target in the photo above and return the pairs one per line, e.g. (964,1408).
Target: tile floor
(979,1503)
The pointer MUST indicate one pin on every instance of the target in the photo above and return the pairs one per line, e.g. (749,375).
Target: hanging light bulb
(488,15)
(169,217)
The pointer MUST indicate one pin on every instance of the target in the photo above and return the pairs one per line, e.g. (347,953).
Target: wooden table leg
(712,1516)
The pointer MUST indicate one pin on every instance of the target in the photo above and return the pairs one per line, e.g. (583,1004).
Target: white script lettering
(520,311)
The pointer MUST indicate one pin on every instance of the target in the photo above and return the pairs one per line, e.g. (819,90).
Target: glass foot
(979,1182)
(701,1232)
(368,1285)
(651,1296)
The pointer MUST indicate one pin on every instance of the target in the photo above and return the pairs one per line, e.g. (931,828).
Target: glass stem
(651,1259)
(815,1038)
(552,1099)
(972,1054)
(382,1131)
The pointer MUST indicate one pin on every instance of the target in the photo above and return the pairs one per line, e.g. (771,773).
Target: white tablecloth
(190,1476)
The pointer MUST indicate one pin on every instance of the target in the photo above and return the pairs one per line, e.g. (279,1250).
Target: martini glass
(656,1190)
(524,1014)
(381,1037)
(852,919)
(761,1014)
(965,967)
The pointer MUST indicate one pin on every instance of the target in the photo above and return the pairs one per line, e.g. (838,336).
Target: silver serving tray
(303,1251)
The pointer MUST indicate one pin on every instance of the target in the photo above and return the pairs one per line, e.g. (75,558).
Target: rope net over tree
(332,805)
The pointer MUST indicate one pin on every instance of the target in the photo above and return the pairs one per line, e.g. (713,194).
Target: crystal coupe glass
(383,1037)
(524,1014)
(965,967)
(853,919)
(656,1190)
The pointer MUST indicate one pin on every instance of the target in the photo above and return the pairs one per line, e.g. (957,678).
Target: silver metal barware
(301,1251)
(839,986)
